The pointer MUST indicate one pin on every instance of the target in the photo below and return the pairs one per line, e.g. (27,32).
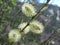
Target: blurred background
(53,2)
(11,16)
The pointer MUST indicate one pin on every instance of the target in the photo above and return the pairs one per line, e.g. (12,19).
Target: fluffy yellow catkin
(14,35)
(22,25)
(36,27)
(28,9)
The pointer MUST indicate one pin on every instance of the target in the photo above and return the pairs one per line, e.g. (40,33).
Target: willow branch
(36,14)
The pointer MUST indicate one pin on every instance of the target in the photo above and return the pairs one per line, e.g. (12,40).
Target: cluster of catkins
(34,26)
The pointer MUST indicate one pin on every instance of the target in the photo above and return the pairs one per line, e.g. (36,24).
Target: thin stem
(50,37)
(36,15)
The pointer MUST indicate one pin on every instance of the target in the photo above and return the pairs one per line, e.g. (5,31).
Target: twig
(50,37)
(36,15)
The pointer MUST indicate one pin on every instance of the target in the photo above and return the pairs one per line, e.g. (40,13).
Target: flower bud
(36,27)
(14,35)
(28,9)
(22,25)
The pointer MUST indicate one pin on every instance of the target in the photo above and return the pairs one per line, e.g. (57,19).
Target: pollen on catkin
(36,27)
(14,35)
(22,25)
(28,10)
